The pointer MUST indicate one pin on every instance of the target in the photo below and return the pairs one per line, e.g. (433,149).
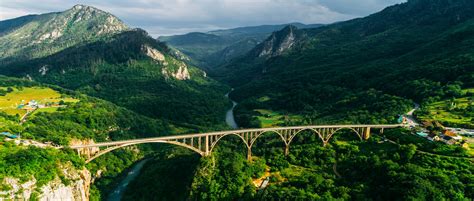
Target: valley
(379,107)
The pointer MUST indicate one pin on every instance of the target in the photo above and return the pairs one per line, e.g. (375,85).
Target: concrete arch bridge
(204,143)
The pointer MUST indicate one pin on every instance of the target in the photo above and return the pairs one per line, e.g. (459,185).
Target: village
(30,107)
(436,132)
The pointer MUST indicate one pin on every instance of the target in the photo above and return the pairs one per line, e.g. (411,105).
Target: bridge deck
(176,137)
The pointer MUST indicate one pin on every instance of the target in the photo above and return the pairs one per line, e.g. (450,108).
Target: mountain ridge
(402,52)
(35,36)
(210,49)
(121,62)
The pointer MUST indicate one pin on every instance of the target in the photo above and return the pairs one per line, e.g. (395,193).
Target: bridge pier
(366,133)
(325,143)
(287,150)
(206,144)
(249,154)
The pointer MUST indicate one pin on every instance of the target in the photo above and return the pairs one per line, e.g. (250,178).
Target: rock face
(278,43)
(17,190)
(77,189)
(181,73)
(153,53)
(42,35)
(98,22)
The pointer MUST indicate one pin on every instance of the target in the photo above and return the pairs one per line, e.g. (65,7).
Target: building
(402,119)
(433,137)
(9,135)
(422,134)
(448,140)
(452,135)
(33,103)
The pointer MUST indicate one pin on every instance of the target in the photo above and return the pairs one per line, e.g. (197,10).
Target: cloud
(164,17)
(358,7)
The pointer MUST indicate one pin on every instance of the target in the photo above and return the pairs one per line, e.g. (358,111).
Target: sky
(170,17)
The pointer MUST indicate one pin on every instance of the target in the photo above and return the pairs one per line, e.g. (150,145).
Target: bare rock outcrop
(76,189)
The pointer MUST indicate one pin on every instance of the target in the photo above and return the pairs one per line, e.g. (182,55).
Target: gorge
(114,112)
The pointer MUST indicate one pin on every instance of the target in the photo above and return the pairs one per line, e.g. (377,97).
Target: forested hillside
(131,69)
(124,83)
(360,69)
(87,119)
(214,48)
(347,169)
(36,36)
(98,80)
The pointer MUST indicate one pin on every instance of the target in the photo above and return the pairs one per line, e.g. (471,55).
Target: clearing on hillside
(22,99)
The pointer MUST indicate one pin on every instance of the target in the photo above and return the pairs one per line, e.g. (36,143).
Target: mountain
(121,65)
(124,85)
(411,51)
(214,48)
(262,29)
(35,36)
(46,172)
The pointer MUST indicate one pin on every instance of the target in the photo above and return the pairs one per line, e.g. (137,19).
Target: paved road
(411,120)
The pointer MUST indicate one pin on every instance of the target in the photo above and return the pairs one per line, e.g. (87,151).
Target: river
(229,116)
(131,175)
(135,171)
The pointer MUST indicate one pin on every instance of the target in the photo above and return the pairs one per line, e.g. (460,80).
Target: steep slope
(45,172)
(245,68)
(41,35)
(413,50)
(214,48)
(130,69)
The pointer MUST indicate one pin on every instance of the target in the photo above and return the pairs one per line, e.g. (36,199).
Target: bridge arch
(254,139)
(306,129)
(357,132)
(109,149)
(214,143)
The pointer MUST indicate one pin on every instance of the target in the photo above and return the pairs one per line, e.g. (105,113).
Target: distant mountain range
(36,36)
(363,71)
(419,50)
(214,48)
(92,51)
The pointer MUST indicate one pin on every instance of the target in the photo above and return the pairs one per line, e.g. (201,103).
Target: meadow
(452,112)
(11,101)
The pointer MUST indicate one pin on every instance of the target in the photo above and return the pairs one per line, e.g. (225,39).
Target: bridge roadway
(203,143)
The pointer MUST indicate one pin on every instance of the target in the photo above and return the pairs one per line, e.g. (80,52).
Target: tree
(408,151)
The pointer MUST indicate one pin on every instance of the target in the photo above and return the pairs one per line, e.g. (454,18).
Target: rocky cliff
(278,43)
(74,186)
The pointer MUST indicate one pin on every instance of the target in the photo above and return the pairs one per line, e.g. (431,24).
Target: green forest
(410,168)
(117,83)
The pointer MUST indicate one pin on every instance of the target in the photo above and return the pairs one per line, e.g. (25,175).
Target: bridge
(204,143)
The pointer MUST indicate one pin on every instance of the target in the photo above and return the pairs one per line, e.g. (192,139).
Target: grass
(471,150)
(443,112)
(46,110)
(292,171)
(9,103)
(269,118)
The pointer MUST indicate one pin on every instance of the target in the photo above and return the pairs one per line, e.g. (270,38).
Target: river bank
(117,194)
(229,117)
